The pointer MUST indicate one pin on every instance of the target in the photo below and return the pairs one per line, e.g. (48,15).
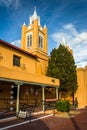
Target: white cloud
(71,29)
(10,3)
(16,43)
(77,41)
(82,37)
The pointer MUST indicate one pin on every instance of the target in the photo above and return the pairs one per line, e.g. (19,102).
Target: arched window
(29,40)
(40,42)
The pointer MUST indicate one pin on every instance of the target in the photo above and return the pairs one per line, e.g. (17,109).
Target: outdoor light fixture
(12,86)
(11,102)
(53,80)
(11,97)
(12,92)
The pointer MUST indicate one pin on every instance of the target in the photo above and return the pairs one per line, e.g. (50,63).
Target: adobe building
(23,70)
(81,93)
(23,79)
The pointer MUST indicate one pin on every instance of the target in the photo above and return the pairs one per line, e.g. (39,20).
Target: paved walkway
(78,122)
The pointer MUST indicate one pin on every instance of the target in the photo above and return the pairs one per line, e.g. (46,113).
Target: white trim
(40,34)
(29,34)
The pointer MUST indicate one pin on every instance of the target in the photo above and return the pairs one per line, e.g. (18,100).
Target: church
(23,77)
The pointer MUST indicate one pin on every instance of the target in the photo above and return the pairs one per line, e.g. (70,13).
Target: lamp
(53,80)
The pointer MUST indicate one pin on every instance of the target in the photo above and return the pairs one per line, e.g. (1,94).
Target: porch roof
(8,74)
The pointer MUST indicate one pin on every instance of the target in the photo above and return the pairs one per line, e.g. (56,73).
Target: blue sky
(63,18)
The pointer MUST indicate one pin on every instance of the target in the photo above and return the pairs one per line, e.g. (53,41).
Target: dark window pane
(40,42)
(29,40)
(16,60)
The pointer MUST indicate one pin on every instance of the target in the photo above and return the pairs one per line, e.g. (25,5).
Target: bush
(63,105)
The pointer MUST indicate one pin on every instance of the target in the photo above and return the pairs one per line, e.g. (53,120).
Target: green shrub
(63,105)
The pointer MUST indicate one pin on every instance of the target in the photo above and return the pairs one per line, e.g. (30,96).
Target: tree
(61,65)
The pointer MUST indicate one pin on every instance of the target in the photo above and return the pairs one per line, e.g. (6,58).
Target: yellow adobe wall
(81,92)
(28,64)
(42,66)
(86,83)
(27,77)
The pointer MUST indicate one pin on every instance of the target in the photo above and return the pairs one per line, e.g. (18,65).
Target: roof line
(27,82)
(17,48)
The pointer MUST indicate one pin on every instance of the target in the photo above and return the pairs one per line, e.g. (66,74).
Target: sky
(63,18)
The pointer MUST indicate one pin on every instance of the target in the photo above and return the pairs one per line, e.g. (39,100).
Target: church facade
(23,70)
(23,77)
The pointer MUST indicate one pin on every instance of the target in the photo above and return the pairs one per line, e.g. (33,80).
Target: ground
(75,120)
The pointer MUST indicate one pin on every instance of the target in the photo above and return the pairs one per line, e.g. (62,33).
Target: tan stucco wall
(81,92)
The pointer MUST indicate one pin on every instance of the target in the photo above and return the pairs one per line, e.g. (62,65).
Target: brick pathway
(79,122)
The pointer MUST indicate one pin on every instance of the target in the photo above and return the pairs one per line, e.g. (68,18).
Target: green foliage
(63,105)
(61,65)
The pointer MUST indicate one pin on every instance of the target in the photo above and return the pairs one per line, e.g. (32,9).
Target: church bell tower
(34,36)
(34,39)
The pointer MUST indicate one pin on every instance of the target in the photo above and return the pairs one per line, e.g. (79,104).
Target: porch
(20,90)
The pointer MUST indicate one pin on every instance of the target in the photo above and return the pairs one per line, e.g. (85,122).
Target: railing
(6,104)
(49,103)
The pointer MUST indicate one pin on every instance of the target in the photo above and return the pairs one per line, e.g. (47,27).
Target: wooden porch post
(56,93)
(43,97)
(18,95)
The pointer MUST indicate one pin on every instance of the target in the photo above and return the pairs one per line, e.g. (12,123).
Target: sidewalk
(57,122)
(79,122)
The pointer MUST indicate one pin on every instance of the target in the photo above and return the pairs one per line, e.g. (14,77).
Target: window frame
(29,40)
(16,60)
(40,45)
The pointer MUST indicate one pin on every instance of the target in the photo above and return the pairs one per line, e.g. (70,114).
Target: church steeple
(63,42)
(34,17)
(34,36)
(35,13)
(35,41)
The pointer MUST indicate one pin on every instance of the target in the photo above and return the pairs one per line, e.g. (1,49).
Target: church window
(29,40)
(16,60)
(40,42)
